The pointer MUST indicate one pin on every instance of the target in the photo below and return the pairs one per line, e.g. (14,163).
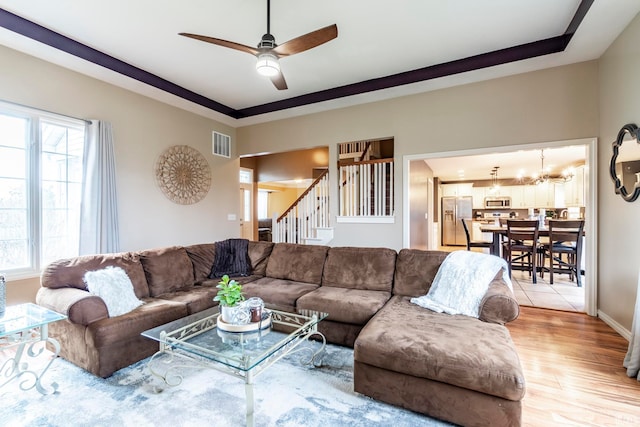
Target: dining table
(501,230)
(498,231)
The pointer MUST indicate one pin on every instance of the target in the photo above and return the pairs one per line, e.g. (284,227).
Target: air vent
(221,144)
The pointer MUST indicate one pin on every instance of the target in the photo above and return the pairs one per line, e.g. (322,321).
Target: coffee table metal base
(17,367)
(166,368)
(24,335)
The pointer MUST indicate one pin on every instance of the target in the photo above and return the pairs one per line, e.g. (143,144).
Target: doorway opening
(426,217)
(246,203)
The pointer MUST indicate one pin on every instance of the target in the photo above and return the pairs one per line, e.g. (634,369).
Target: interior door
(246,203)
(246,220)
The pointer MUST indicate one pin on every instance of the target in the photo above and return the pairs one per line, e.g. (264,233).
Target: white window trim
(36,116)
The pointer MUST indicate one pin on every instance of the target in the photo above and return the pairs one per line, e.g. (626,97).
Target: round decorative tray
(249,327)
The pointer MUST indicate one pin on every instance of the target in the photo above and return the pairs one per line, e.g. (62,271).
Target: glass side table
(24,328)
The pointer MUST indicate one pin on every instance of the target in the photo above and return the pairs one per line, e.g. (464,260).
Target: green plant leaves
(229,293)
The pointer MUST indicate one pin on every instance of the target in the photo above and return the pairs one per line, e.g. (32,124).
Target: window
(40,188)
(263,204)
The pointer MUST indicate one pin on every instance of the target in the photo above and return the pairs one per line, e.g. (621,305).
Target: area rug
(289,393)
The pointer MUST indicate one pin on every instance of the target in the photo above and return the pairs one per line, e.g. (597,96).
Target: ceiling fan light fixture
(268,64)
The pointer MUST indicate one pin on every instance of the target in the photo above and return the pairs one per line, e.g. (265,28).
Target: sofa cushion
(458,350)
(259,255)
(354,306)
(277,293)
(69,272)
(240,279)
(154,312)
(167,269)
(299,263)
(202,256)
(415,271)
(196,298)
(360,268)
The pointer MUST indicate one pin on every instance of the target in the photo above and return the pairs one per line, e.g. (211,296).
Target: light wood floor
(573,368)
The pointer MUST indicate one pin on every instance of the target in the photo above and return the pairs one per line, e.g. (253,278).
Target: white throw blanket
(462,281)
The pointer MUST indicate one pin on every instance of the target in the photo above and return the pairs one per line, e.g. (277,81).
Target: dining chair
(473,243)
(521,246)
(565,240)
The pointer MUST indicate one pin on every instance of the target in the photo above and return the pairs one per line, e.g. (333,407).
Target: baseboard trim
(615,325)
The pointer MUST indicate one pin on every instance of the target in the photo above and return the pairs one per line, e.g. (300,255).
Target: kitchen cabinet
(517,196)
(545,195)
(456,190)
(574,189)
(522,196)
(478,194)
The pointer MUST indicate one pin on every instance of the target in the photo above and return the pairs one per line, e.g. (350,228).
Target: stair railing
(308,212)
(366,189)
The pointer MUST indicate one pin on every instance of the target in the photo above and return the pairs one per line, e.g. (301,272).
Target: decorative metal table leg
(54,385)
(248,389)
(17,369)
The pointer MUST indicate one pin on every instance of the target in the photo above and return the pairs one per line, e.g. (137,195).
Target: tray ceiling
(383,49)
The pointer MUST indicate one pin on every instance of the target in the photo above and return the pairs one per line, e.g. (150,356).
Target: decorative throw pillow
(114,287)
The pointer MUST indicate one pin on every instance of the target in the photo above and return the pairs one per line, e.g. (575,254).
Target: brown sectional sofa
(456,368)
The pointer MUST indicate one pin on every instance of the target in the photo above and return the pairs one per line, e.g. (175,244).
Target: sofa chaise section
(457,368)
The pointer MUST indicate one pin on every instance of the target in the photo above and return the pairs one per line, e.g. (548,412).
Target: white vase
(236,315)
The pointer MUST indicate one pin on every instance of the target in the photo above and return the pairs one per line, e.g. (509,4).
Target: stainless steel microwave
(497,202)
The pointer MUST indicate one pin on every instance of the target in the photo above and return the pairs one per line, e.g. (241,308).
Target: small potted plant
(230,298)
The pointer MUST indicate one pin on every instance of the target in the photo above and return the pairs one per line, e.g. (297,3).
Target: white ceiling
(375,39)
(510,164)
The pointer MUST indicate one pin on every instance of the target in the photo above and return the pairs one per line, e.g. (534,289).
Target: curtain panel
(632,359)
(99,231)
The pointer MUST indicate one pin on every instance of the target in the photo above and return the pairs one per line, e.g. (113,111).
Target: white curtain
(632,359)
(99,209)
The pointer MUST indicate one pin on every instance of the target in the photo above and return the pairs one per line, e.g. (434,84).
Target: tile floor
(562,295)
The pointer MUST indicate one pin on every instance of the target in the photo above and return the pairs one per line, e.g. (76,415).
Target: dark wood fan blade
(223,43)
(278,81)
(308,41)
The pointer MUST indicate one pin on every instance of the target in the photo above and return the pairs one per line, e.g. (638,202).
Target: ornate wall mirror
(625,163)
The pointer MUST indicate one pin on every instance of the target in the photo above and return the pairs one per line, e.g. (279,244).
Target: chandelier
(495,186)
(544,176)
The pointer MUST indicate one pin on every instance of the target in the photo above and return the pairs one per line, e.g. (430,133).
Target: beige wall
(547,105)
(281,198)
(619,225)
(142,128)
(297,164)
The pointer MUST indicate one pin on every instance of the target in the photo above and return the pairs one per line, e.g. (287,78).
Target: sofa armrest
(79,306)
(499,305)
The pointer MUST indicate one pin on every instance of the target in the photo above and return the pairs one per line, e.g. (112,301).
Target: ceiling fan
(268,52)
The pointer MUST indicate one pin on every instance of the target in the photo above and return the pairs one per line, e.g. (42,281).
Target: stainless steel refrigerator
(453,210)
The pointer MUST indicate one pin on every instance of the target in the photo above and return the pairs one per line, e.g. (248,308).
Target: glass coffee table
(197,340)
(24,331)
